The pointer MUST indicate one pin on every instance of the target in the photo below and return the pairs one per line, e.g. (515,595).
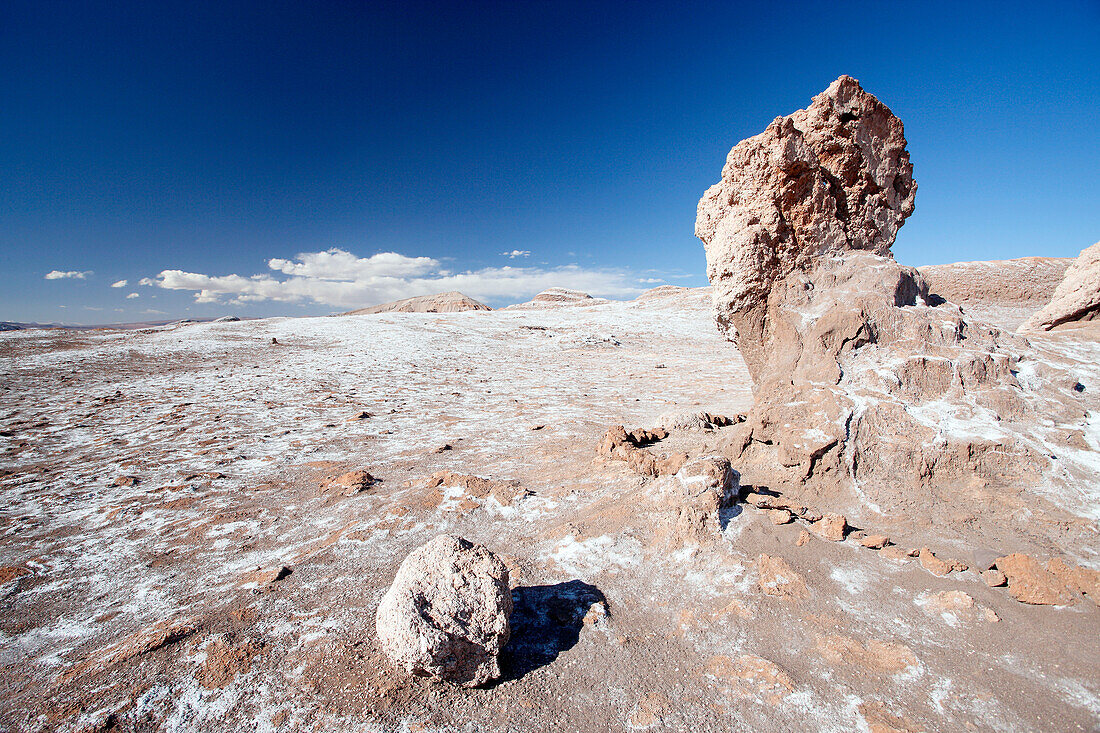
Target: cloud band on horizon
(339,278)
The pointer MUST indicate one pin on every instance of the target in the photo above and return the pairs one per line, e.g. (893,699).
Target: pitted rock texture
(866,394)
(1077,298)
(828,179)
(446,616)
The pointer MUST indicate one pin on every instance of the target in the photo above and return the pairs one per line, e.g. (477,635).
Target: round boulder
(446,616)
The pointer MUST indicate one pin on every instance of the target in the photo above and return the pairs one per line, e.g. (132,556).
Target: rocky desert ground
(199,521)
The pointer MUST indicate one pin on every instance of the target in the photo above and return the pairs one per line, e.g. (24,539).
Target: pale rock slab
(1077,298)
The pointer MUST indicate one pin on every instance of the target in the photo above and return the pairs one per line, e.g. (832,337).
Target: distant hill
(557,297)
(452,302)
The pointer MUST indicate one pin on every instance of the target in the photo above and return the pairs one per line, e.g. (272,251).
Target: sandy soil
(155,483)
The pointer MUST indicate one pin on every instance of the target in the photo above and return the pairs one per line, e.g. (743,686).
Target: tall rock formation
(864,390)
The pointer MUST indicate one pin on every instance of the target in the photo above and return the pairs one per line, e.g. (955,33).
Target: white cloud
(651,280)
(339,278)
(516,253)
(131,296)
(119,284)
(151,312)
(336,264)
(67,274)
(147,281)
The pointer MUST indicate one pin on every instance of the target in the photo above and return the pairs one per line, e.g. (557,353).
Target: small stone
(760,501)
(537,427)
(777,578)
(994,578)
(443,448)
(892,552)
(350,483)
(361,415)
(126,481)
(831,527)
(933,564)
(446,615)
(809,514)
(803,538)
(270,576)
(779,516)
(874,541)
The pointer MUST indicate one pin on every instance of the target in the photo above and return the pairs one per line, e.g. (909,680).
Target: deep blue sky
(212,137)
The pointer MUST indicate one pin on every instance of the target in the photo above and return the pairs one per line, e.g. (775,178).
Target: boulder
(1077,298)
(831,527)
(706,485)
(446,615)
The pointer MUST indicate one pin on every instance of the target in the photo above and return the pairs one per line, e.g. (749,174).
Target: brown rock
(933,564)
(446,615)
(874,541)
(349,484)
(893,552)
(778,579)
(779,516)
(671,464)
(957,604)
(126,481)
(803,538)
(1029,582)
(9,573)
(831,178)
(1082,580)
(831,527)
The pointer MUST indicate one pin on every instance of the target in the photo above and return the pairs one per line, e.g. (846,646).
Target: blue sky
(495,147)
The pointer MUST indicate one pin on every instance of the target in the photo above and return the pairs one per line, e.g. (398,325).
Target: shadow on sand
(546,620)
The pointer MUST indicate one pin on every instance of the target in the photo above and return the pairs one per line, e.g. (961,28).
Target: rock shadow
(546,620)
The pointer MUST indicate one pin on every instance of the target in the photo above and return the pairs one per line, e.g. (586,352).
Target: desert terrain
(156,483)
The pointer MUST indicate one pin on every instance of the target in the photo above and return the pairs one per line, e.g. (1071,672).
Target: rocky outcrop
(446,616)
(453,302)
(1077,298)
(1004,293)
(863,388)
